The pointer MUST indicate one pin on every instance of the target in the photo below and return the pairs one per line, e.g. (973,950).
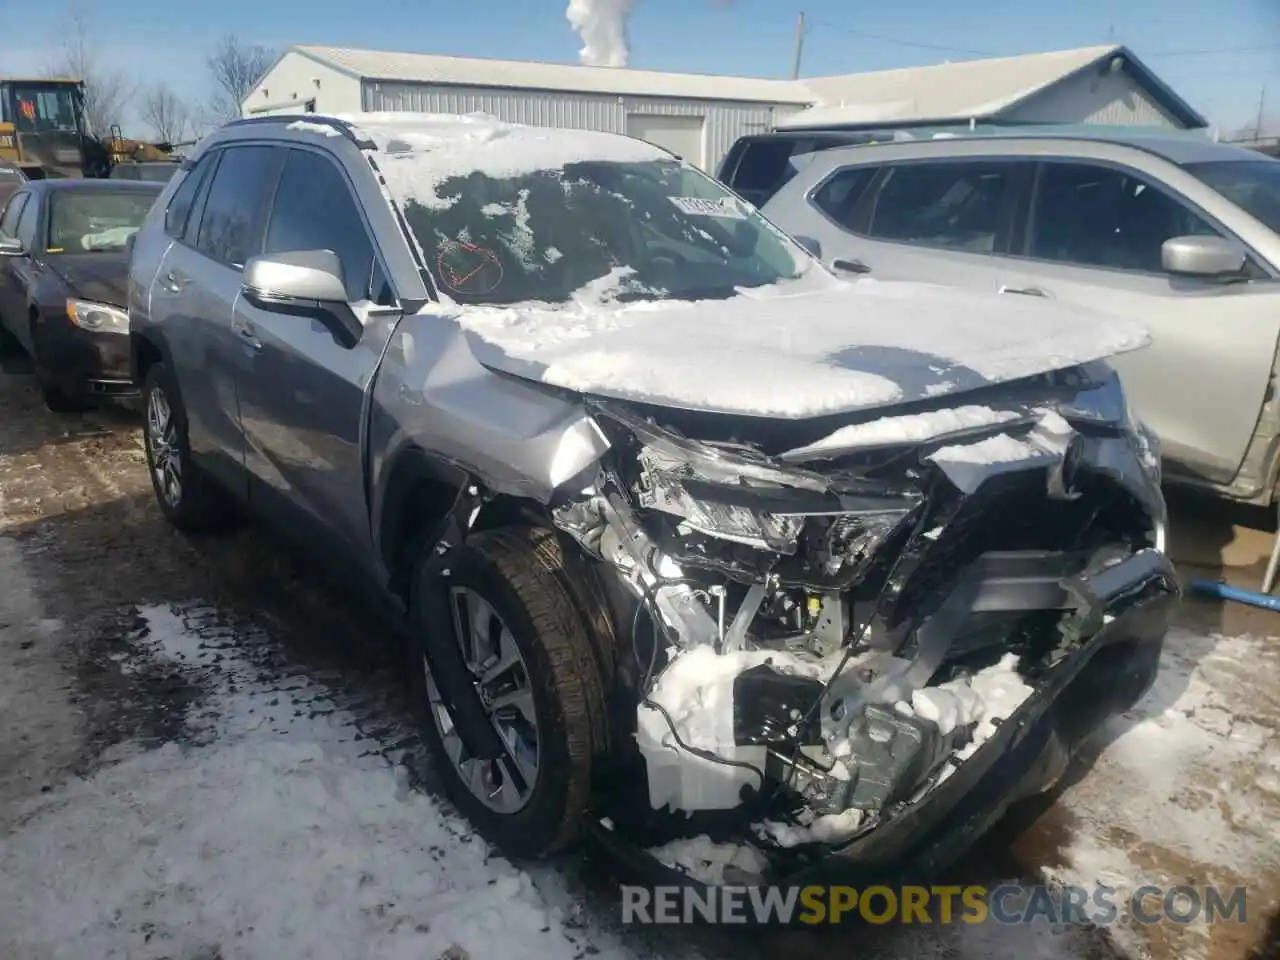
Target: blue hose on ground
(1225,592)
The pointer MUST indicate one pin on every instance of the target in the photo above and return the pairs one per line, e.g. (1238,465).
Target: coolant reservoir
(686,781)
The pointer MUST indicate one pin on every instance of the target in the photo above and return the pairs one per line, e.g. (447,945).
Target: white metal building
(1091,85)
(696,117)
(699,117)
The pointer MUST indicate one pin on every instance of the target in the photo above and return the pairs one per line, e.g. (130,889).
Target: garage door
(681,135)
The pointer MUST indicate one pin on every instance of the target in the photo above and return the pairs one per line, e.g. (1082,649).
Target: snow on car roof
(419,151)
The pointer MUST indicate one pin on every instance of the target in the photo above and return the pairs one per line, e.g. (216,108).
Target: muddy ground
(83,550)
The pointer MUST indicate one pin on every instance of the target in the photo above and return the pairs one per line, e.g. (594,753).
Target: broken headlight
(715,509)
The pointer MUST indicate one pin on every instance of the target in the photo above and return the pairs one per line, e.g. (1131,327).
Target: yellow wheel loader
(43,131)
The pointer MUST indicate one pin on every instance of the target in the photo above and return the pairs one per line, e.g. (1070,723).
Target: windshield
(37,108)
(640,230)
(87,222)
(1253,185)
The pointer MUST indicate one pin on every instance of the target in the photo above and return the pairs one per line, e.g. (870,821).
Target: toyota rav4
(686,534)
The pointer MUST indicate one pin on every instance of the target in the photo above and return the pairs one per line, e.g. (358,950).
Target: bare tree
(165,113)
(234,67)
(106,90)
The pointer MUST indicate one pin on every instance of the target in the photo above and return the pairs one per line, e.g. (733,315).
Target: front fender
(517,438)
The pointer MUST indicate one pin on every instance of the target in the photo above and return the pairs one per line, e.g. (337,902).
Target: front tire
(529,657)
(187,498)
(59,399)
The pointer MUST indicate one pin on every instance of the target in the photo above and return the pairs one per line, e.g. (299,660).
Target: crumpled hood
(100,277)
(792,351)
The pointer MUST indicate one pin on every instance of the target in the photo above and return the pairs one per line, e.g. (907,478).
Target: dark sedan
(63,267)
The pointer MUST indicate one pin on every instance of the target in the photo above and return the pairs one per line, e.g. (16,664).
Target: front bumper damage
(854,662)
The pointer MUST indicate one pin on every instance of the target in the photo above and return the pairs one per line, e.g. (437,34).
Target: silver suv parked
(682,530)
(1175,231)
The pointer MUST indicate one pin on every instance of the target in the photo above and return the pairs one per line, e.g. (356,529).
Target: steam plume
(602,24)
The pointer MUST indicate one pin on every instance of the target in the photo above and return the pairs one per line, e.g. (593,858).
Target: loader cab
(42,126)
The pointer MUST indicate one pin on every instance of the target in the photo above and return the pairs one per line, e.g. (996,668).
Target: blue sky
(1216,54)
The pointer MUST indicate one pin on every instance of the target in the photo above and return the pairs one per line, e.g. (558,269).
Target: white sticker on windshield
(724,207)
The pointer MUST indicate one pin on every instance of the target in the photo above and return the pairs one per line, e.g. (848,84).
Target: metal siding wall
(1113,98)
(724,121)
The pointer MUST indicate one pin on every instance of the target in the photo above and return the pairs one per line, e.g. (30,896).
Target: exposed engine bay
(821,635)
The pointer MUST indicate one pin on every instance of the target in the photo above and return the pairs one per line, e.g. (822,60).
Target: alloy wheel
(501,679)
(166,467)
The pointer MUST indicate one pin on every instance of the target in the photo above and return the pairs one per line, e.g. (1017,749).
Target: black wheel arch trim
(142,341)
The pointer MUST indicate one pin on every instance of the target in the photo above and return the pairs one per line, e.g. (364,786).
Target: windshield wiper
(724,292)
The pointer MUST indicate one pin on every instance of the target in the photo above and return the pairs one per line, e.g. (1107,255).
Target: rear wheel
(527,659)
(187,498)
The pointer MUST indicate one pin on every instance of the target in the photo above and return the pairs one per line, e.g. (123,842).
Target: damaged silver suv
(687,535)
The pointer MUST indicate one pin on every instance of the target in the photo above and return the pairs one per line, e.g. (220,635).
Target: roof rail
(344,127)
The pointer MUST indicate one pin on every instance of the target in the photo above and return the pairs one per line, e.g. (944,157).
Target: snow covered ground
(275,834)
(1188,789)
(249,804)
(272,831)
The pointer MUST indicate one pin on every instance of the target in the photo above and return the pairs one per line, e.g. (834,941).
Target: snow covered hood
(793,351)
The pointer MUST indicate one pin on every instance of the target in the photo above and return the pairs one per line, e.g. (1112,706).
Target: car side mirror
(10,247)
(1209,257)
(303,283)
(810,246)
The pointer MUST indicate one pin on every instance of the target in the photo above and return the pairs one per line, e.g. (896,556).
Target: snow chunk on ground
(917,427)
(420,151)
(259,844)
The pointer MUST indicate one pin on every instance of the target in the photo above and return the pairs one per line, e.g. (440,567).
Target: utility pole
(795,64)
(1262,108)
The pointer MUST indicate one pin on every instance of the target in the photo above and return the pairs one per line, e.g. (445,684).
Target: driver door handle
(172,282)
(850,266)
(249,335)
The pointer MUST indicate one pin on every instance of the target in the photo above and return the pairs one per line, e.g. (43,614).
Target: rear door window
(175,218)
(1099,216)
(956,205)
(840,197)
(235,211)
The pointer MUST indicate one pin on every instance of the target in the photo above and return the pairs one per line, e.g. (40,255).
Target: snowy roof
(474,71)
(964,90)
(947,91)
(420,151)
